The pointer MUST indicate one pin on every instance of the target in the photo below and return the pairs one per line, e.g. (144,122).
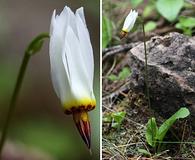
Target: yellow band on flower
(125,30)
(78,105)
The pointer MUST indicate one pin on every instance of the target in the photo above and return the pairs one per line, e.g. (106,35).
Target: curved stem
(13,99)
(33,48)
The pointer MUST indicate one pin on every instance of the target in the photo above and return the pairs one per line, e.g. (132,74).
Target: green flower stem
(146,66)
(13,99)
(33,48)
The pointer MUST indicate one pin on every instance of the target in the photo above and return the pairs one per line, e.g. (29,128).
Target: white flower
(130,21)
(71,57)
(72,66)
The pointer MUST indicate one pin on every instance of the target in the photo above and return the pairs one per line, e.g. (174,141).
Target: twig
(117,91)
(115,148)
(112,67)
(183,134)
(117,49)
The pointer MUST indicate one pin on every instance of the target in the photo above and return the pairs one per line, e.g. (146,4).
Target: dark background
(39,123)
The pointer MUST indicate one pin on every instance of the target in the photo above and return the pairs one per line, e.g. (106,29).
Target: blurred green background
(39,124)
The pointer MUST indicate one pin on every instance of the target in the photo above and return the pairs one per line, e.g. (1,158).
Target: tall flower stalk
(146,66)
(32,49)
(127,27)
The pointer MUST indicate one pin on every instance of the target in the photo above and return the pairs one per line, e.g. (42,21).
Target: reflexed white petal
(71,56)
(127,21)
(86,49)
(80,12)
(52,21)
(78,74)
(58,71)
(71,20)
(134,17)
(61,22)
(130,21)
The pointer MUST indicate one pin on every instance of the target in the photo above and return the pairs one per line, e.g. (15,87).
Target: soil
(125,141)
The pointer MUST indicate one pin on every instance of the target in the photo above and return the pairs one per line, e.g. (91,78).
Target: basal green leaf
(169,9)
(188,32)
(144,152)
(107,118)
(186,24)
(106,31)
(187,21)
(135,3)
(124,73)
(178,26)
(112,77)
(118,117)
(151,132)
(181,113)
(150,26)
(148,9)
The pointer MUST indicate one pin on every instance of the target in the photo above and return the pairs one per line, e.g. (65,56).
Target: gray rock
(171,67)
